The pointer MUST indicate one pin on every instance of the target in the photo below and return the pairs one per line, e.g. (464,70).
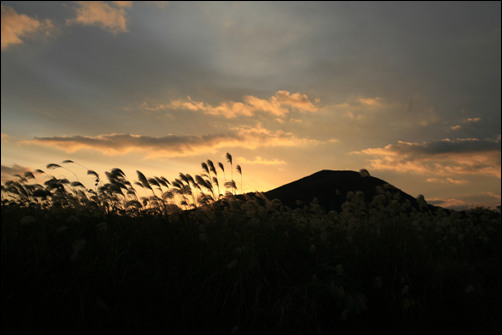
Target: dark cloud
(8,172)
(123,143)
(175,145)
(447,146)
(439,158)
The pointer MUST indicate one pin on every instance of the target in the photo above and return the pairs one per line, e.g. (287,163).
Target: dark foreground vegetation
(250,265)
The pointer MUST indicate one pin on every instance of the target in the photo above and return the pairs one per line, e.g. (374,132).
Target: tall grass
(158,195)
(121,259)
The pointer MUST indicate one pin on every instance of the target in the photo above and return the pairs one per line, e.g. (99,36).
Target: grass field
(247,264)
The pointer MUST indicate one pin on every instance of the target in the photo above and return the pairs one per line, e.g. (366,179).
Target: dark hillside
(331,188)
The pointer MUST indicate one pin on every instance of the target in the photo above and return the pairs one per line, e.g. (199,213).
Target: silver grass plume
(229,159)
(240,172)
(77,184)
(52,166)
(29,175)
(118,173)
(143,180)
(211,166)
(165,180)
(204,167)
(93,173)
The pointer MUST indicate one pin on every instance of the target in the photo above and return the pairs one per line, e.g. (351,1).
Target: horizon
(408,91)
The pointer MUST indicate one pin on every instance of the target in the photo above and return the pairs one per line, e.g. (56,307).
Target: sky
(410,91)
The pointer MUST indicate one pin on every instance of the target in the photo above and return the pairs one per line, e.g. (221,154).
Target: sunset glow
(409,91)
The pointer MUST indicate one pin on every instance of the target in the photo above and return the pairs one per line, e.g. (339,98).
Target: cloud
(359,102)
(123,4)
(260,161)
(494,195)
(442,158)
(278,105)
(447,146)
(373,102)
(8,172)
(255,137)
(434,180)
(358,107)
(296,100)
(473,119)
(464,202)
(455,204)
(120,144)
(16,27)
(175,145)
(101,14)
(447,180)
(429,117)
(148,107)
(228,109)
(160,4)
(456,181)
(469,120)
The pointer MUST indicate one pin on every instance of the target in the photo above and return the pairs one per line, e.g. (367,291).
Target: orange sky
(409,91)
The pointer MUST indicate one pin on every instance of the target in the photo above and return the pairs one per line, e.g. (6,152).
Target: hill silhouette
(331,189)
